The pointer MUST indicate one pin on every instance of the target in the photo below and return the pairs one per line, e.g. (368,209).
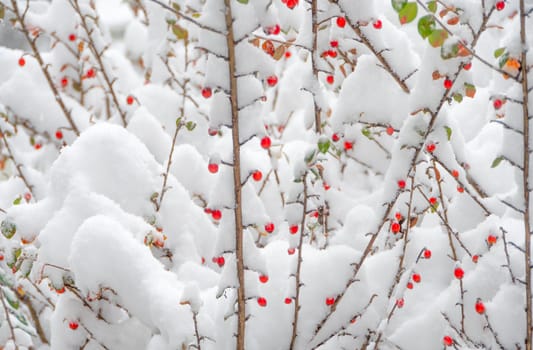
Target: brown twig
(239,229)
(44,67)
(98,56)
(297,275)
(525,176)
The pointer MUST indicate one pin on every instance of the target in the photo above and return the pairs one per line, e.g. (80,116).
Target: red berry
(491,239)
(417,278)
(390,130)
(455,173)
(64,82)
(37,146)
(262,301)
(206,92)
(27,196)
(293,229)
(59,135)
(326,186)
(257,175)
(460,189)
(72,37)
(60,290)
(263,279)
(203,260)
(399,303)
(348,145)
(497,104)
(430,147)
(398,216)
(330,79)
(213,168)
(448,84)
(269,227)
(331,53)
(272,80)
(292,4)
(401,184)
(467,66)
(353,320)
(330,301)
(288,301)
(130,100)
(475,258)
(288,54)
(480,307)
(341,22)
(274,30)
(409,285)
(291,251)
(315,214)
(432,200)
(266,142)
(377,24)
(500,5)
(91,73)
(221,261)
(335,137)
(334,43)
(447,340)
(1,257)
(208,211)
(395,227)
(73,325)
(427,253)
(458,273)
(22,61)
(216,214)
(212,132)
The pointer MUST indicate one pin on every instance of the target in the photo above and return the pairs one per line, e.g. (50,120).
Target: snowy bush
(265,174)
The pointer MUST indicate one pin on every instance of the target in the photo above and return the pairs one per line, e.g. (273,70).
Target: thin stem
(98,56)
(299,267)
(43,66)
(525,175)
(241,297)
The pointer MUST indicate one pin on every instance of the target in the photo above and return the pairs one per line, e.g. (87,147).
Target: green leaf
(190,126)
(178,122)
(180,32)
(499,52)
(176,6)
(496,161)
(503,60)
(2,11)
(449,51)
(448,132)
(367,133)
(243,1)
(398,5)
(458,97)
(17,200)
(310,157)
(8,229)
(323,145)
(432,6)
(470,90)
(437,37)
(426,25)
(408,13)
(14,303)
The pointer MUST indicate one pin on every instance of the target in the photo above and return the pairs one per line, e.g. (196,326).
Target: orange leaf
(453,21)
